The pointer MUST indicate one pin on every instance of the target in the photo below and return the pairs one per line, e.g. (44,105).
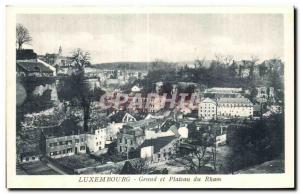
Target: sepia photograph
(160,97)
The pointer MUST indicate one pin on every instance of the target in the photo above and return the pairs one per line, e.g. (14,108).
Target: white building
(234,107)
(96,140)
(207,109)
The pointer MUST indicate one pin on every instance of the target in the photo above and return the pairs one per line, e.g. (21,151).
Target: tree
(135,166)
(81,59)
(194,153)
(22,36)
(75,88)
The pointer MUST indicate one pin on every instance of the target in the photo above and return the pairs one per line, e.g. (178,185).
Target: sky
(146,37)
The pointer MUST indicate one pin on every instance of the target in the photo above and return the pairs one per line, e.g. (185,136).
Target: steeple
(60,51)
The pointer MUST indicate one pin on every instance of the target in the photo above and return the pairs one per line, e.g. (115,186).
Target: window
(131,142)
(33,158)
(120,140)
(96,143)
(64,151)
(55,153)
(55,144)
(70,142)
(100,148)
(125,141)
(76,140)
(69,150)
(60,143)
(51,144)
(82,139)
(120,148)
(82,148)
(27,159)
(125,149)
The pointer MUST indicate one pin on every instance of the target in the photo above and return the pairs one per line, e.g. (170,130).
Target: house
(63,140)
(158,149)
(29,157)
(129,138)
(207,109)
(96,140)
(234,107)
(30,154)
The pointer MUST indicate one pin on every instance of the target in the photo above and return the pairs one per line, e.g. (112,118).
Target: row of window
(68,142)
(126,141)
(207,111)
(123,150)
(65,151)
(28,158)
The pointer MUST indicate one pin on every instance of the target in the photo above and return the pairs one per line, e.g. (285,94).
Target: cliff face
(39,91)
(36,94)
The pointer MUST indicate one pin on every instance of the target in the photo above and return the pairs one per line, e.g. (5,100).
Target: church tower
(60,51)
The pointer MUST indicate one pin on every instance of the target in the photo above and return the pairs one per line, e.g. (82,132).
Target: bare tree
(22,36)
(199,62)
(194,153)
(81,59)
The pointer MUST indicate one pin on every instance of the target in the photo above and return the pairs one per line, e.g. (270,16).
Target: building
(37,69)
(96,140)
(234,107)
(63,140)
(158,149)
(207,109)
(29,65)
(218,92)
(129,138)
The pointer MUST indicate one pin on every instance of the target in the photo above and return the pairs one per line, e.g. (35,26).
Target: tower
(59,51)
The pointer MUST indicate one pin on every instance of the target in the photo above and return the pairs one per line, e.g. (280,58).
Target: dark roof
(117,117)
(158,143)
(33,67)
(66,128)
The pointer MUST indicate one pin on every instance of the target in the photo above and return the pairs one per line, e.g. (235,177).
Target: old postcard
(150,97)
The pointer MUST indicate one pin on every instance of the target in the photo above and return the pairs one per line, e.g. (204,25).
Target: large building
(63,140)
(234,107)
(207,109)
(225,108)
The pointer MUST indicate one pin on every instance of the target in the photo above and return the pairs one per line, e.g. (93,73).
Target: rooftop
(34,67)
(241,100)
(223,90)
(158,143)
(209,100)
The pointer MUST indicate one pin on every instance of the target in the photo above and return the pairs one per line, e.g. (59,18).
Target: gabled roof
(158,143)
(208,100)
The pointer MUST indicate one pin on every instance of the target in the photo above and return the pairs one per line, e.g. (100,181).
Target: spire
(60,51)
